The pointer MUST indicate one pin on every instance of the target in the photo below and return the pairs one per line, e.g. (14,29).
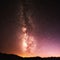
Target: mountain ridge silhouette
(4,56)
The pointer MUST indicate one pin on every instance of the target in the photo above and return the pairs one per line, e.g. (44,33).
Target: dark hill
(9,57)
(15,57)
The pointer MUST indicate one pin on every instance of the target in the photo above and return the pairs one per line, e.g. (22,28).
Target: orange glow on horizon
(41,55)
(27,55)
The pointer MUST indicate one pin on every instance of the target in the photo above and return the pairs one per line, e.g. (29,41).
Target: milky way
(44,23)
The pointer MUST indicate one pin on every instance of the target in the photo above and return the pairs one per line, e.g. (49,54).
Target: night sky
(46,20)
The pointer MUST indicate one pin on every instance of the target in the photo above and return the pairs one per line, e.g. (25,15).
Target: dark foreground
(15,57)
